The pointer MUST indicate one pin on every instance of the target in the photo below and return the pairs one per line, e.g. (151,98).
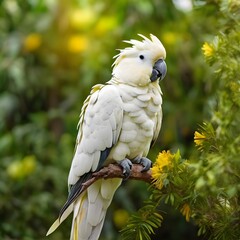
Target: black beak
(159,70)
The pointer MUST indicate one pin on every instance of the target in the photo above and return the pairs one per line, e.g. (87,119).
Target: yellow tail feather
(53,227)
(60,220)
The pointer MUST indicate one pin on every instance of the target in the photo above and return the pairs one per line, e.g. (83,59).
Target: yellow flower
(82,18)
(21,169)
(164,160)
(199,138)
(169,38)
(14,170)
(29,164)
(77,43)
(32,42)
(186,211)
(207,49)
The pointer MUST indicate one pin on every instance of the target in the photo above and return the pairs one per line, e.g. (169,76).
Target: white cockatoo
(119,122)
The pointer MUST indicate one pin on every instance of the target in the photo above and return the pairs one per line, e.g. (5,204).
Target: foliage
(206,187)
(141,225)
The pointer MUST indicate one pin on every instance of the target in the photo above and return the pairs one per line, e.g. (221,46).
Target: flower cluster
(77,43)
(20,169)
(186,211)
(163,162)
(199,138)
(32,42)
(207,50)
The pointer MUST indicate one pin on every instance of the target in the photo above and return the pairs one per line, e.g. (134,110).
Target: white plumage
(119,120)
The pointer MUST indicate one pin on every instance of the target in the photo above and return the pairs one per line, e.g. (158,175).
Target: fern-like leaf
(142,224)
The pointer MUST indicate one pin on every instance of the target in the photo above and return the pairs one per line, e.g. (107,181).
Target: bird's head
(142,63)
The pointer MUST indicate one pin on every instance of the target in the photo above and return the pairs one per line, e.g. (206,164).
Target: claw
(126,164)
(145,162)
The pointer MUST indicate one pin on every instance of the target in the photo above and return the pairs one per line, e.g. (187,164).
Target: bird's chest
(139,121)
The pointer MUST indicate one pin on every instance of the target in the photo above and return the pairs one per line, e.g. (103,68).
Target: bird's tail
(89,210)
(59,220)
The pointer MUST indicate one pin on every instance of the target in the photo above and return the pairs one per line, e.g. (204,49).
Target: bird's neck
(116,81)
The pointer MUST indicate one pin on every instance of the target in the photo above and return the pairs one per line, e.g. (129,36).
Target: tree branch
(115,171)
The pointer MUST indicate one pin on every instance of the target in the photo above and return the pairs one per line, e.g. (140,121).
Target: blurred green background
(52,52)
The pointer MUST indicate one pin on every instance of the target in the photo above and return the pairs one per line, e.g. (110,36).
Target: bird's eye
(141,57)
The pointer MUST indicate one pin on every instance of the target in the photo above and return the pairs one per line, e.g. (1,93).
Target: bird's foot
(126,164)
(145,162)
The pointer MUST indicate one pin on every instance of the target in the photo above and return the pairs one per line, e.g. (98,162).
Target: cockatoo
(119,122)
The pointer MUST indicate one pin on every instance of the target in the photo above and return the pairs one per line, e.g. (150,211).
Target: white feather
(135,114)
(120,151)
(157,100)
(153,108)
(144,97)
(126,96)
(96,157)
(139,103)
(82,163)
(84,228)
(108,188)
(130,107)
(128,136)
(94,213)
(148,124)
(112,120)
(93,191)
(97,230)
(128,124)
(140,119)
